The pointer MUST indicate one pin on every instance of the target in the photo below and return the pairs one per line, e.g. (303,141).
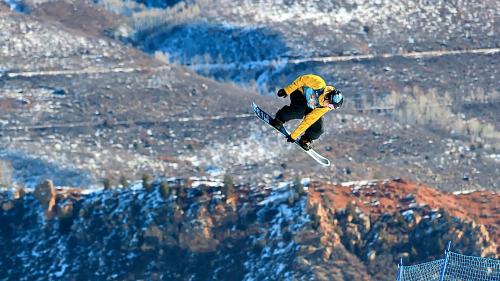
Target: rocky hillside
(208,229)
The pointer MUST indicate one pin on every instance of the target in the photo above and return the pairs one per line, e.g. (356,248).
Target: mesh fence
(458,268)
(462,268)
(428,271)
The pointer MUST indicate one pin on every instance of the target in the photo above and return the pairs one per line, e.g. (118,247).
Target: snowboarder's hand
(289,139)
(281,93)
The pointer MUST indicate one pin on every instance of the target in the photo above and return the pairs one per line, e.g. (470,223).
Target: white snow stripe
(414,55)
(423,54)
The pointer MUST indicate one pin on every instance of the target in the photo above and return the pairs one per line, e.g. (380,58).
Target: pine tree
(228,187)
(164,189)
(350,209)
(106,183)
(123,181)
(298,186)
(146,181)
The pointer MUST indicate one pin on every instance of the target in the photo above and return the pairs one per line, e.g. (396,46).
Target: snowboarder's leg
(315,131)
(312,133)
(296,109)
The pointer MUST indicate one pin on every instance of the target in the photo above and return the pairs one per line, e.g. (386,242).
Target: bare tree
(6,172)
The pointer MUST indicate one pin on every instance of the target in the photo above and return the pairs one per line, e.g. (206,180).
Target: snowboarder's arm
(297,84)
(309,80)
(310,119)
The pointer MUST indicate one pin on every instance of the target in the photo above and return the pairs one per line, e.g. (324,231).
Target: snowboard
(264,116)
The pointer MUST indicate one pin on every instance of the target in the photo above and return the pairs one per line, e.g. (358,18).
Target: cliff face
(190,230)
(380,221)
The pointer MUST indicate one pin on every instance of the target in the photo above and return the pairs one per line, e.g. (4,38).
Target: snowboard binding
(305,143)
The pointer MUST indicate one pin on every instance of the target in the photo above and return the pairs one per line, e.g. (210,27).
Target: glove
(289,139)
(282,93)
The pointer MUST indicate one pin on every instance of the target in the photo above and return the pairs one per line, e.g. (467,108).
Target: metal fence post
(400,268)
(446,254)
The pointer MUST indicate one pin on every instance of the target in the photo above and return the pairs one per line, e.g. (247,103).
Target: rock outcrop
(46,194)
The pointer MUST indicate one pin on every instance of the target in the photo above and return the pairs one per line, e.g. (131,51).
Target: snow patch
(360,183)
(259,148)
(213,171)
(279,197)
(494,157)
(60,273)
(203,181)
(467,191)
(408,215)
(137,185)
(305,182)
(16,5)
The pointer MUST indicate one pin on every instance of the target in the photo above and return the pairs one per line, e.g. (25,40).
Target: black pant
(297,110)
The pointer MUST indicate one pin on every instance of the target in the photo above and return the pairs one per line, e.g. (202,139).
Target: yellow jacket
(316,83)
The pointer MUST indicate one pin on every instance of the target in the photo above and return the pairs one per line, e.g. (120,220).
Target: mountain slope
(96,101)
(94,105)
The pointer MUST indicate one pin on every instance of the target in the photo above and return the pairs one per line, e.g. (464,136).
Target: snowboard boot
(305,143)
(276,123)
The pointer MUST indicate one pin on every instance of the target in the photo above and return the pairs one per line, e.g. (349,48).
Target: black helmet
(335,98)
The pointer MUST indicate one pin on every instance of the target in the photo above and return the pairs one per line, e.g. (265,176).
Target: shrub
(6,172)
(181,192)
(228,187)
(146,181)
(415,106)
(299,187)
(123,181)
(350,210)
(164,189)
(106,183)
(161,56)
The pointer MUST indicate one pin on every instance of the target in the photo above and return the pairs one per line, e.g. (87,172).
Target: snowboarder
(310,99)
